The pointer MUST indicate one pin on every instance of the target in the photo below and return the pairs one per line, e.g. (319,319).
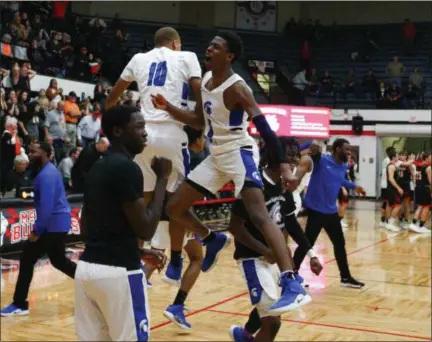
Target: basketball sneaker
(214,247)
(13,310)
(238,334)
(175,313)
(351,282)
(300,279)
(173,273)
(415,228)
(293,295)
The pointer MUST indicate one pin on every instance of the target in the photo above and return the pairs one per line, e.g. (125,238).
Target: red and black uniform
(404,180)
(393,196)
(422,189)
(343,200)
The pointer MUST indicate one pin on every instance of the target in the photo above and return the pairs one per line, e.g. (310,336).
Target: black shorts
(408,193)
(423,196)
(383,194)
(393,197)
(341,198)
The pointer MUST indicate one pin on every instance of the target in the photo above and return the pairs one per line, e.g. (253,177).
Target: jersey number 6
(157,74)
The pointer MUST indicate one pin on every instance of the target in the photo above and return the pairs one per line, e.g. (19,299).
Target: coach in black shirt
(110,287)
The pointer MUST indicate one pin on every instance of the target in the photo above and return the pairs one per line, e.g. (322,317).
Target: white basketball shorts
(239,165)
(111,304)
(161,238)
(261,279)
(168,140)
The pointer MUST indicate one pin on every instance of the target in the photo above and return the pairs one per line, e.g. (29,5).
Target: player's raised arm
(126,78)
(244,98)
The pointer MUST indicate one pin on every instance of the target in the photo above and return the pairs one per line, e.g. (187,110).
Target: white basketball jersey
(162,71)
(226,130)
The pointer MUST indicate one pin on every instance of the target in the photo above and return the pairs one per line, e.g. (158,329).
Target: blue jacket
(327,178)
(53,212)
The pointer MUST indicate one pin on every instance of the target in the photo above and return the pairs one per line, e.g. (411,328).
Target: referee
(50,230)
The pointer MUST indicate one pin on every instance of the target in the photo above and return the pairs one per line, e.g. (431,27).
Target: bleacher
(333,54)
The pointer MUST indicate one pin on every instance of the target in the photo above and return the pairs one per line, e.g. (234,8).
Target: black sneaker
(351,282)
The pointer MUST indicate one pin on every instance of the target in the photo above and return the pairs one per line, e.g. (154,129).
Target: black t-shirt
(278,205)
(111,240)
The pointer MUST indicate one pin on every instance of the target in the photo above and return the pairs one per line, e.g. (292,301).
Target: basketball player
(168,71)
(328,176)
(193,248)
(405,174)
(422,195)
(254,258)
(394,191)
(233,157)
(110,287)
(384,210)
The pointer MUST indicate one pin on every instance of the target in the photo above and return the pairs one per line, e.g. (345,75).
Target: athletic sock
(422,223)
(176,258)
(209,238)
(383,219)
(180,298)
(253,324)
(414,221)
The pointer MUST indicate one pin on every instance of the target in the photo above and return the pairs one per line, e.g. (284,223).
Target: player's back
(226,129)
(162,71)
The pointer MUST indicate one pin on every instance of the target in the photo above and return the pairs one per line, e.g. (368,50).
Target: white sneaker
(404,225)
(414,228)
(425,230)
(344,224)
(382,224)
(392,227)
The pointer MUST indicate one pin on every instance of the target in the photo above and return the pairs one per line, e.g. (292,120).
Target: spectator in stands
(87,158)
(409,33)
(54,50)
(55,130)
(417,80)
(382,96)
(327,84)
(37,56)
(52,90)
(3,105)
(97,22)
(65,166)
(32,120)
(72,115)
(370,84)
(349,85)
(314,81)
(20,176)
(89,129)
(12,107)
(99,94)
(81,69)
(395,70)
(117,23)
(299,84)
(23,116)
(411,97)
(10,148)
(394,95)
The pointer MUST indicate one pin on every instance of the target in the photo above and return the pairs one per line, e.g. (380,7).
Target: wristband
(311,253)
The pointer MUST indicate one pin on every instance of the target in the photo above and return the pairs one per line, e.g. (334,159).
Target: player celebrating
(255,259)
(110,287)
(422,195)
(228,103)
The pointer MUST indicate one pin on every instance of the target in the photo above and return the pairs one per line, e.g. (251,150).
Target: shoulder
(187,56)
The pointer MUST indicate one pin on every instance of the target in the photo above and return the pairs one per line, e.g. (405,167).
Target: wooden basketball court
(395,305)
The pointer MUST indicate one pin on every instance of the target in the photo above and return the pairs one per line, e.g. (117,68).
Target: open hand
(159,101)
(360,191)
(154,257)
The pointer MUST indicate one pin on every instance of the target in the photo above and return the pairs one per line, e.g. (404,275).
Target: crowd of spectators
(399,91)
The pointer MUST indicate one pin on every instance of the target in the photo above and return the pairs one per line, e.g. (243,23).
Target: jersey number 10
(157,74)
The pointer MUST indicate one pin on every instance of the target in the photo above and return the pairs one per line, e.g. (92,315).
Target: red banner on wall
(300,122)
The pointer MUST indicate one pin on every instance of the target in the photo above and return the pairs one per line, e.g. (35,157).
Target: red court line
(332,326)
(207,308)
(226,300)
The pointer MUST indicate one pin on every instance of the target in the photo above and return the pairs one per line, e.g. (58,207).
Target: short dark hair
(234,43)
(165,35)
(44,146)
(73,151)
(117,116)
(268,157)
(339,143)
(390,151)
